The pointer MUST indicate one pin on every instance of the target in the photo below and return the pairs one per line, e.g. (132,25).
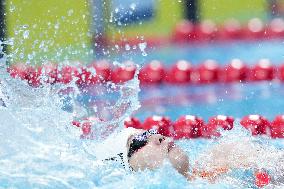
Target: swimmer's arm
(211,175)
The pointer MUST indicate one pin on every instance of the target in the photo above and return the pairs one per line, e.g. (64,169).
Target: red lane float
(179,73)
(182,72)
(18,71)
(50,71)
(215,123)
(86,128)
(123,73)
(33,75)
(232,29)
(86,76)
(132,122)
(207,72)
(184,31)
(235,71)
(84,125)
(162,124)
(207,30)
(255,29)
(257,124)
(262,179)
(102,70)
(66,74)
(188,126)
(263,71)
(277,127)
(76,123)
(153,72)
(276,28)
(281,72)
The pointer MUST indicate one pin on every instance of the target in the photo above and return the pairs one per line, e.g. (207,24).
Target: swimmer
(139,150)
(148,150)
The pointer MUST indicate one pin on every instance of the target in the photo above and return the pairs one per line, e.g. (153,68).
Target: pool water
(40,149)
(237,99)
(222,52)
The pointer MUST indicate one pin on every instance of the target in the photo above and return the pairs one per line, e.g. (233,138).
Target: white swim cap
(115,146)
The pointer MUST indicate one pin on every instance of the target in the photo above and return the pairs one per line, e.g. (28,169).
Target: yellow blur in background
(167,14)
(52,30)
(57,30)
(243,10)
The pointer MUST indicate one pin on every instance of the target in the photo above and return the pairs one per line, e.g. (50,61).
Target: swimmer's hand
(211,175)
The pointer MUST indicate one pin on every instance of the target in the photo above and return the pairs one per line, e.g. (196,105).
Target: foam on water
(39,147)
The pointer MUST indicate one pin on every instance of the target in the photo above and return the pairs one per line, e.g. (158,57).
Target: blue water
(236,100)
(222,52)
(39,148)
(207,100)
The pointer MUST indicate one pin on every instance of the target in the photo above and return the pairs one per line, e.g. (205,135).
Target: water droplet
(30,56)
(132,6)
(56,26)
(70,12)
(26,34)
(142,47)
(144,53)
(111,18)
(22,55)
(12,8)
(24,26)
(127,47)
(116,63)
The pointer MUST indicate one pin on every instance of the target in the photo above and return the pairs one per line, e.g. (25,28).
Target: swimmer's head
(148,150)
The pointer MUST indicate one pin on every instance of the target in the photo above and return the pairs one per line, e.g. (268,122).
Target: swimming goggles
(140,140)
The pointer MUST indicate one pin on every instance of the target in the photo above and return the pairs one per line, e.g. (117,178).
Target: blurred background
(56,30)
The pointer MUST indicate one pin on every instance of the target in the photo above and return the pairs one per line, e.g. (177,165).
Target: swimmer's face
(153,154)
